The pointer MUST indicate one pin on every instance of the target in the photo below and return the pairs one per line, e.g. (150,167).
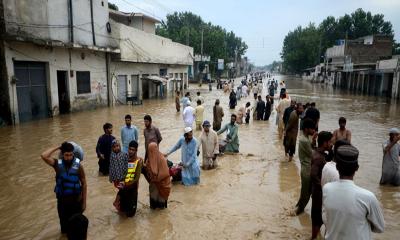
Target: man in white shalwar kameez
(188,116)
(349,211)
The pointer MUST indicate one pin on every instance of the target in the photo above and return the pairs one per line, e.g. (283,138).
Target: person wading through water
(307,142)
(71,187)
(218,114)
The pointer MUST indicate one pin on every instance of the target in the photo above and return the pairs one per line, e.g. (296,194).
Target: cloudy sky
(263,24)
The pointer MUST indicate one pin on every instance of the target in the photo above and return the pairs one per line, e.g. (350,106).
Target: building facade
(70,55)
(147,65)
(364,65)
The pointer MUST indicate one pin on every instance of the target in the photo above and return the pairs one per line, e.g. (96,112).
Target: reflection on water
(248,197)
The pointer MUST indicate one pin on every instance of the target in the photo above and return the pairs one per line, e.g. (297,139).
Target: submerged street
(249,196)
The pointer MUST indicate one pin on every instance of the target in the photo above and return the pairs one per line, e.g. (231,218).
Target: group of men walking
(328,164)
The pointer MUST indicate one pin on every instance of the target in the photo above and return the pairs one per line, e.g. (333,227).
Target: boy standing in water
(129,189)
(70,182)
(248,110)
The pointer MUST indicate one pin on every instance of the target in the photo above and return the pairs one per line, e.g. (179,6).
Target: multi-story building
(356,55)
(69,55)
(364,65)
(146,59)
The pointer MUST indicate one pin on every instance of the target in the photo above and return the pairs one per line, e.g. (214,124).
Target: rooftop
(132,14)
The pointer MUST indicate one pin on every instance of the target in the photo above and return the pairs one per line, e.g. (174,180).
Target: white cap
(188,129)
(394,131)
(188,102)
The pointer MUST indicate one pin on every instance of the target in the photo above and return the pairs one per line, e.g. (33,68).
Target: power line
(167,9)
(143,10)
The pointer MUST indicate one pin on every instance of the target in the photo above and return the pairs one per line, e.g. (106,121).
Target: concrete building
(364,65)
(352,56)
(69,55)
(146,60)
(390,75)
(55,57)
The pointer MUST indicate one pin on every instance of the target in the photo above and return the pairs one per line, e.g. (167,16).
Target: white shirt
(350,212)
(199,98)
(255,89)
(329,173)
(188,116)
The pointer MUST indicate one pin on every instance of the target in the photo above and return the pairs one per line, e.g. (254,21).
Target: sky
(263,24)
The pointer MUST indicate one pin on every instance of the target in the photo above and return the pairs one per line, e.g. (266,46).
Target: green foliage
(301,48)
(297,53)
(112,6)
(186,28)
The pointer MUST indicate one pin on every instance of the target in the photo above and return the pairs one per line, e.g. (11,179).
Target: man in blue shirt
(128,133)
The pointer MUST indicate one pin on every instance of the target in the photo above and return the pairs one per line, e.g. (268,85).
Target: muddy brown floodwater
(249,196)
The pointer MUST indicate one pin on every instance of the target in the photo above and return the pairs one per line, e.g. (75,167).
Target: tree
(186,28)
(301,48)
(112,6)
(297,53)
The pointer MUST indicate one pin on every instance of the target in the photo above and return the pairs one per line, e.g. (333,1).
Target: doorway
(63,94)
(31,88)
(122,88)
(135,85)
(145,86)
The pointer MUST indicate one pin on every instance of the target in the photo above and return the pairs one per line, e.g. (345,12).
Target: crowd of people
(328,160)
(328,163)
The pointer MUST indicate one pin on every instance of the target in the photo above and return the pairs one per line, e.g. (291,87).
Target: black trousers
(128,200)
(67,207)
(260,115)
(104,166)
(267,114)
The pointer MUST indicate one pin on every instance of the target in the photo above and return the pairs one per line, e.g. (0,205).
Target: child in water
(129,192)
(118,169)
(248,109)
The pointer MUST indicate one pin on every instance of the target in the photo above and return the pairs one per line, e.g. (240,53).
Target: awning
(156,79)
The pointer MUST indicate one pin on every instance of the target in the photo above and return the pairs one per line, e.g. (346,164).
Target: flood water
(249,196)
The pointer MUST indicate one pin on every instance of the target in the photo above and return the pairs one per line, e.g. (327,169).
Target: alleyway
(249,196)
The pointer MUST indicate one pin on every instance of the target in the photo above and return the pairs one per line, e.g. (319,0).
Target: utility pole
(201,51)
(236,67)
(201,55)
(187,37)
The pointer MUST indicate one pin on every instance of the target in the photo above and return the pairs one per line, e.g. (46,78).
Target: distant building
(359,53)
(70,55)
(363,65)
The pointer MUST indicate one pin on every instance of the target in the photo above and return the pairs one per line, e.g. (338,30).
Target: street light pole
(201,56)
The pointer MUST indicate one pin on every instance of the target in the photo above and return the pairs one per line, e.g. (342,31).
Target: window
(83,82)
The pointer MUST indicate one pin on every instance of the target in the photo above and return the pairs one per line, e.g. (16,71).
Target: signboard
(199,58)
(220,64)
